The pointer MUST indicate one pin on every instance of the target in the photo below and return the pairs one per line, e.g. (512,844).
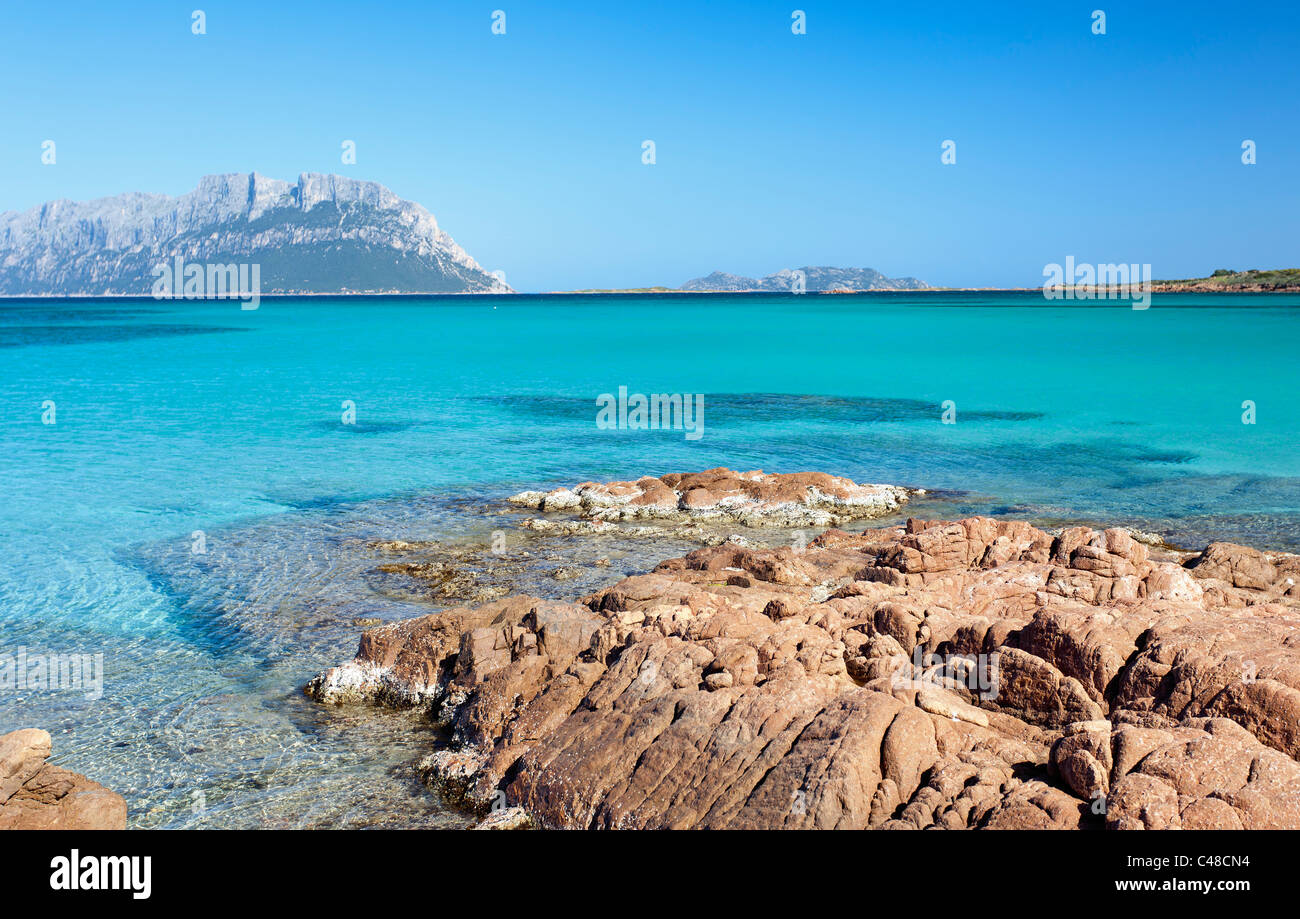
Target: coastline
(850,673)
(279,591)
(591,540)
(1158,287)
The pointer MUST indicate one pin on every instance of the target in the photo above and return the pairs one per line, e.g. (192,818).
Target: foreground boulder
(1202,773)
(35,795)
(954,674)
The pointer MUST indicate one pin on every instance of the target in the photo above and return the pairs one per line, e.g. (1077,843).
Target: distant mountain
(722,281)
(815,279)
(325,234)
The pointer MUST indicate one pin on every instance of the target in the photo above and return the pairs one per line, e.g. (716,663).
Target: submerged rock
(962,674)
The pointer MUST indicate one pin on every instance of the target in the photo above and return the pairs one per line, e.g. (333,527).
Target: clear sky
(774,150)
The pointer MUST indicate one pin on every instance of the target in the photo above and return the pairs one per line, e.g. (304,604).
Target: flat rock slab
(749,498)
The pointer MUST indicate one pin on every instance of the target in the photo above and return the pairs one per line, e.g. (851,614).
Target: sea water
(189,487)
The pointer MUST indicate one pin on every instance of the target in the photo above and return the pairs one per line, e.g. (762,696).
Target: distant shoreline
(1157,288)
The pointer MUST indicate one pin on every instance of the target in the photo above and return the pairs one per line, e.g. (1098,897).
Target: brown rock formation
(37,796)
(969,674)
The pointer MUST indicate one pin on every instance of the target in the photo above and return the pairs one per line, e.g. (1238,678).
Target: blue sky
(773,150)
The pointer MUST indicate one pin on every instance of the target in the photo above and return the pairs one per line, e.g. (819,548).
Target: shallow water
(180,418)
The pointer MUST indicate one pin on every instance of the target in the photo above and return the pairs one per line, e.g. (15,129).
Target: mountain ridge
(323,234)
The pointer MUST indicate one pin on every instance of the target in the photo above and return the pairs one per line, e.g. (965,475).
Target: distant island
(323,234)
(810,279)
(1225,279)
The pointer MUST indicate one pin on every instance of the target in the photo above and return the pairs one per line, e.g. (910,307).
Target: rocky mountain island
(816,280)
(322,234)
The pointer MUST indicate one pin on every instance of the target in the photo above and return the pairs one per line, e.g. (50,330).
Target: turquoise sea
(183,424)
